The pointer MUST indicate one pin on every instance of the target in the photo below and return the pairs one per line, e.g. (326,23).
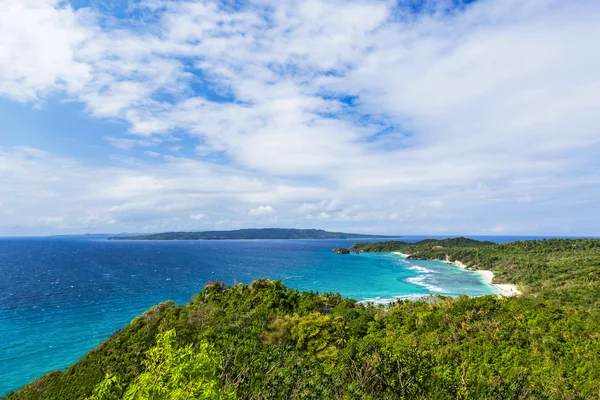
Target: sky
(392,117)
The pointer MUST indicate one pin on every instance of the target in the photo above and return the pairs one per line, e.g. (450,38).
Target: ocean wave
(412,296)
(388,300)
(422,281)
(418,268)
(378,300)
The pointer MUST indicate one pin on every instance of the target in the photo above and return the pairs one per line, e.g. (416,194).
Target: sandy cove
(504,289)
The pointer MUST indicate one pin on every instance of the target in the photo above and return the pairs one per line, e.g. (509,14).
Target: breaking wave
(388,300)
(418,268)
(422,281)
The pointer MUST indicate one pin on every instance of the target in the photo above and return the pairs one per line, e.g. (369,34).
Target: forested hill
(266,233)
(265,341)
(395,245)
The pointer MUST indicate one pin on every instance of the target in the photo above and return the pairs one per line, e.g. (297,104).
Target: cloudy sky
(415,116)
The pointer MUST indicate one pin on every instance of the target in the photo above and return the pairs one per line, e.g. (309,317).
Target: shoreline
(503,289)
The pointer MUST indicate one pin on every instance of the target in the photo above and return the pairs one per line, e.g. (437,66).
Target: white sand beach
(504,289)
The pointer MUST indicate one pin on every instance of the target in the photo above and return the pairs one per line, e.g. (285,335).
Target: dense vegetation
(423,245)
(266,233)
(264,341)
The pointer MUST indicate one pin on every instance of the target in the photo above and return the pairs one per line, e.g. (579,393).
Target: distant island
(239,234)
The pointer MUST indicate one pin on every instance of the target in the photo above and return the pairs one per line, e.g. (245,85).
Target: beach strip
(504,289)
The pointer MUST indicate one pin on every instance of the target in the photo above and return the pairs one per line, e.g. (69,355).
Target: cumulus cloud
(460,119)
(262,210)
(436,203)
(39,52)
(147,197)
(51,220)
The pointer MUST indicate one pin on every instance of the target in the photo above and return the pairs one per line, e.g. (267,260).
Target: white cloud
(50,220)
(39,48)
(327,205)
(129,197)
(128,144)
(436,203)
(498,229)
(495,105)
(261,210)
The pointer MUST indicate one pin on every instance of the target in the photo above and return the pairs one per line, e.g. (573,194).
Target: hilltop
(395,245)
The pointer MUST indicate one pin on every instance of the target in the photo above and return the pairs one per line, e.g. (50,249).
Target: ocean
(61,296)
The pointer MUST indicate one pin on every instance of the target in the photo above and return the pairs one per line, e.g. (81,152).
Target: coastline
(504,289)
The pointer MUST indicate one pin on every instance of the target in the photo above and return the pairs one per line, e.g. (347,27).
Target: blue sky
(429,116)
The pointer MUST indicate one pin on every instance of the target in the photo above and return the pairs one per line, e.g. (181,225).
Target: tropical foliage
(171,373)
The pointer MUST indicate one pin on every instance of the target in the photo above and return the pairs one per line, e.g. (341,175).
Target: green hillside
(265,341)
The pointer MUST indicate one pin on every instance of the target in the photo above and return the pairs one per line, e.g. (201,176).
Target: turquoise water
(385,277)
(60,297)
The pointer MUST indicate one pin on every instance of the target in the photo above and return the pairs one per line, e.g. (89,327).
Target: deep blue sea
(62,296)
